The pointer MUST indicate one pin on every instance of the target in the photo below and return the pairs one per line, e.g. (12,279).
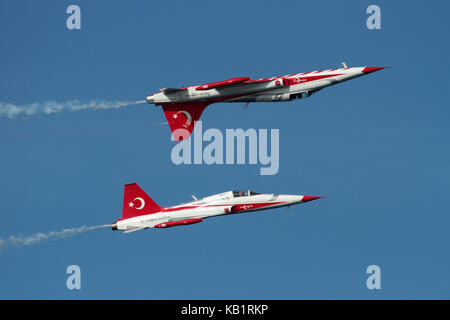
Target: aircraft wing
(260,80)
(182,117)
(222,83)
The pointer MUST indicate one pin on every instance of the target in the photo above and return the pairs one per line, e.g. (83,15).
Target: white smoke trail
(12,111)
(41,237)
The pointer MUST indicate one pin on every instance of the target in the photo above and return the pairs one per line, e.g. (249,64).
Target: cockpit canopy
(241,193)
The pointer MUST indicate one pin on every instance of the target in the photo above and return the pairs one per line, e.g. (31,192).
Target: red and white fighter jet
(141,212)
(184,106)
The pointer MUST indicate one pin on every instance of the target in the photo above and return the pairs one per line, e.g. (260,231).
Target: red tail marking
(137,203)
(184,116)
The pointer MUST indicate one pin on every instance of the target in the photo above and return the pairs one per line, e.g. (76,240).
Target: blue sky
(377,146)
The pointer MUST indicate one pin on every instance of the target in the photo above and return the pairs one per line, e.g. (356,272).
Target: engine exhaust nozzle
(150,99)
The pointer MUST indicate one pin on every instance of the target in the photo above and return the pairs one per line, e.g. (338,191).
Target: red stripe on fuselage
(241,207)
(252,206)
(301,79)
(249,205)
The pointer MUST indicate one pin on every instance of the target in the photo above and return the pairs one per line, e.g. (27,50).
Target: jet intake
(228,209)
(310,92)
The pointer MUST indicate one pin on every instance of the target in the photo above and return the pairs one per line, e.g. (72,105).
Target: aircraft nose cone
(372,69)
(309,198)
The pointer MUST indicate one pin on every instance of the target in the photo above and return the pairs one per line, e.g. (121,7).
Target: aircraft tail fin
(137,203)
(182,117)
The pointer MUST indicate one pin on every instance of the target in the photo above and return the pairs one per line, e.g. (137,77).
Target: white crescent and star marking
(131,204)
(188,117)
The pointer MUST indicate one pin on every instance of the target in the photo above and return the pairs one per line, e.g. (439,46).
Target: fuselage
(230,202)
(281,88)
(183,106)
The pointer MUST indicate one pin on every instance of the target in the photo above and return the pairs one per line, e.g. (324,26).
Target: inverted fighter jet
(184,106)
(141,212)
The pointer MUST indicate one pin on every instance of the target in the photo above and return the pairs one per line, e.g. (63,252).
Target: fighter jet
(141,212)
(184,106)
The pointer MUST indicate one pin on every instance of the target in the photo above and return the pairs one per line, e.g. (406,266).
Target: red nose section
(309,198)
(372,69)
